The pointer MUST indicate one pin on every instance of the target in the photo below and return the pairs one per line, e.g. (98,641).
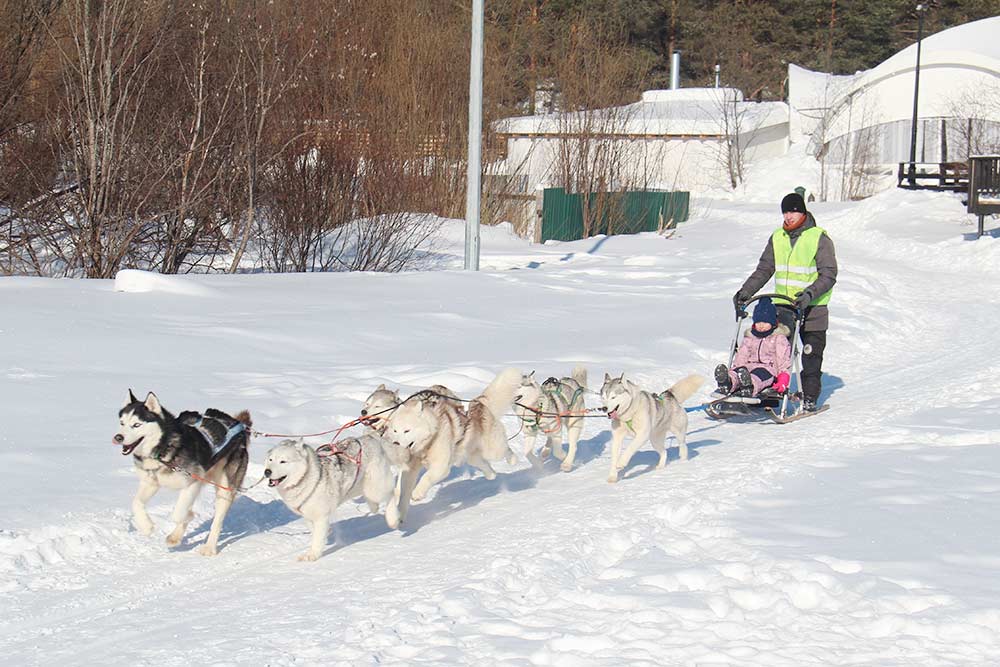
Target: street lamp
(474,172)
(921,10)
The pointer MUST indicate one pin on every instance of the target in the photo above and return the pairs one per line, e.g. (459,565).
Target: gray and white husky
(381,402)
(536,403)
(645,416)
(183,453)
(314,486)
(440,435)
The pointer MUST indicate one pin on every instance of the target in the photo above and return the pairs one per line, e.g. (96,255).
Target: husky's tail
(243,417)
(580,375)
(499,394)
(684,389)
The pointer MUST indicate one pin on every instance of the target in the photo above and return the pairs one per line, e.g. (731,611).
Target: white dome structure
(959,83)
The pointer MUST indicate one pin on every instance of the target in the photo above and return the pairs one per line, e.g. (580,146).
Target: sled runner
(783,407)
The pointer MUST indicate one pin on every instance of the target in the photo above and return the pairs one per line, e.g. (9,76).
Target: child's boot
(746,382)
(722,378)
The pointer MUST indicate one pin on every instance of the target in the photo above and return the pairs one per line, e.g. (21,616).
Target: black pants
(813,345)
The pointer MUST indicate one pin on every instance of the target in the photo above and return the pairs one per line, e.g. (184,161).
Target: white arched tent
(959,102)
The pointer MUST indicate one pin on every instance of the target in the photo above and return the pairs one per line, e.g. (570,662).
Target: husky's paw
(392,522)
(511,458)
(174,538)
(144,528)
(489,474)
(308,557)
(417,496)
(207,550)
(559,453)
(613,478)
(566,466)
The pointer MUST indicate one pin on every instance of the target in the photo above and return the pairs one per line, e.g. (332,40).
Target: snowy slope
(862,537)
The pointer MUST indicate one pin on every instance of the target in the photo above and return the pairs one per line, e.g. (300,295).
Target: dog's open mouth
(275,481)
(613,414)
(127,449)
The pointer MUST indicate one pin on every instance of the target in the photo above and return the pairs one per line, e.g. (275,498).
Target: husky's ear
(420,406)
(381,387)
(152,404)
(607,378)
(621,378)
(531,375)
(131,398)
(300,444)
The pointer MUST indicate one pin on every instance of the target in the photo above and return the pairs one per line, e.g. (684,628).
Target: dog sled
(780,407)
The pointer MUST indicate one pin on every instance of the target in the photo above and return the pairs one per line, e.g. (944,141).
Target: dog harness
(218,448)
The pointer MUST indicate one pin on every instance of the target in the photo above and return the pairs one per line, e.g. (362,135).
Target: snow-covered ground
(865,536)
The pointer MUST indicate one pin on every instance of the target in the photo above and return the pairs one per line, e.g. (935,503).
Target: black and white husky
(183,453)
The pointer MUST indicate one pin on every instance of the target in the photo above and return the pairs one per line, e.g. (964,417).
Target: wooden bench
(946,176)
(984,187)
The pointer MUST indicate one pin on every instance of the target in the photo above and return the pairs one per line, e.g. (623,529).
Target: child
(763,359)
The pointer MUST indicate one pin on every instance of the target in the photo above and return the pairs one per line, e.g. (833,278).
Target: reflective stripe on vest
(795,266)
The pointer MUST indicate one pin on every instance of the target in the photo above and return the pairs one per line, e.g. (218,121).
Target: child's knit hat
(765,311)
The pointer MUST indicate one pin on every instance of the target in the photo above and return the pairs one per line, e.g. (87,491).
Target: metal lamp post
(921,10)
(474,173)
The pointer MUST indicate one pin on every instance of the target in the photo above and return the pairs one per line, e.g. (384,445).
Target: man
(802,260)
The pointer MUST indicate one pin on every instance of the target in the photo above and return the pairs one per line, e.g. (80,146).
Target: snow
(131,280)
(678,112)
(864,536)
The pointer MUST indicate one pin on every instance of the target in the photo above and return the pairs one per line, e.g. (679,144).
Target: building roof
(685,112)
(953,63)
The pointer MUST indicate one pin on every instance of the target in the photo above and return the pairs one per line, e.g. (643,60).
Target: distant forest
(176,135)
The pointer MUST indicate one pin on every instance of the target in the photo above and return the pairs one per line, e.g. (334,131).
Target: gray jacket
(817,317)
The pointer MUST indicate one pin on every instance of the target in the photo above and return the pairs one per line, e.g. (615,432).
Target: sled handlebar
(741,310)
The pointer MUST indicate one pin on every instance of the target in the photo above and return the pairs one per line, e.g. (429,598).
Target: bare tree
(973,108)
(108,60)
(593,153)
(197,153)
(267,68)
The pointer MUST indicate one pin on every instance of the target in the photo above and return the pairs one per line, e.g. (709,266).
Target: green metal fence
(609,212)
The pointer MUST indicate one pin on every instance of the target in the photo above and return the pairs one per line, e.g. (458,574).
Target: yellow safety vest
(795,266)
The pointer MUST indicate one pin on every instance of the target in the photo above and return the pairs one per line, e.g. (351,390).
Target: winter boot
(722,378)
(808,405)
(746,382)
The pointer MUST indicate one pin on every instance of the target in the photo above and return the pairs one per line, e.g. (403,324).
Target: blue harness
(219,448)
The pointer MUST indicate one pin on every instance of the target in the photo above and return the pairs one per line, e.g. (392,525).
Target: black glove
(740,298)
(802,300)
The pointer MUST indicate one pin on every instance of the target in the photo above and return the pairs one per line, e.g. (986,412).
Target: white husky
(313,486)
(383,401)
(440,435)
(645,416)
(536,404)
